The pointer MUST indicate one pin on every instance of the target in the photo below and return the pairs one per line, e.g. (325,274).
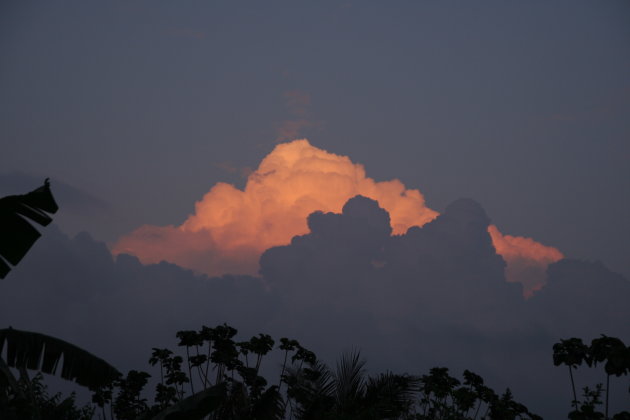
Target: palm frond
(269,406)
(391,395)
(17,235)
(349,379)
(312,389)
(42,352)
(325,382)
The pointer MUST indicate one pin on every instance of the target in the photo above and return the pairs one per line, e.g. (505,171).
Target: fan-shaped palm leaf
(17,235)
(42,352)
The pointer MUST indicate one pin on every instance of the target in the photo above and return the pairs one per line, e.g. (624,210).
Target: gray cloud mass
(435,296)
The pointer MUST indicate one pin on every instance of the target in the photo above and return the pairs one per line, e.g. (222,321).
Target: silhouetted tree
(608,350)
(571,352)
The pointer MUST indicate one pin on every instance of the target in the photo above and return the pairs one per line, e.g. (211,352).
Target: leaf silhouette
(42,352)
(17,235)
(391,395)
(350,380)
(197,406)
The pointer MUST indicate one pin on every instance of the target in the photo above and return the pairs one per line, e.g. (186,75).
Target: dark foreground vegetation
(215,376)
(219,377)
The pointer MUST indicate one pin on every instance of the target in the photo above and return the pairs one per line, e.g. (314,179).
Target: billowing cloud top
(231,228)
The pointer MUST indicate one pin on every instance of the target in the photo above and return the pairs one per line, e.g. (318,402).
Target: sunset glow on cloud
(231,228)
(526,259)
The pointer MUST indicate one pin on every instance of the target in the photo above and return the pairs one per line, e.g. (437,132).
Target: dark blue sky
(523,106)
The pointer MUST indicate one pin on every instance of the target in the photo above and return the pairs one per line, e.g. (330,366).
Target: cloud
(79,210)
(527,259)
(291,129)
(231,228)
(72,198)
(583,298)
(297,102)
(74,289)
(437,294)
(433,296)
(242,171)
(352,260)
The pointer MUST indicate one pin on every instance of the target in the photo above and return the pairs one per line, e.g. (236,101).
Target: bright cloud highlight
(231,228)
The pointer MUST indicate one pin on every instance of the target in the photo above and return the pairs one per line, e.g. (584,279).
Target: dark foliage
(41,352)
(610,351)
(17,235)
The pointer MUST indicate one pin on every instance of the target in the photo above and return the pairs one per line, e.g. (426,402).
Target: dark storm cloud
(584,298)
(351,259)
(74,289)
(435,296)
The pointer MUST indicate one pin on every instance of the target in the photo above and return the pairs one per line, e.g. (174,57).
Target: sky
(138,110)
(147,105)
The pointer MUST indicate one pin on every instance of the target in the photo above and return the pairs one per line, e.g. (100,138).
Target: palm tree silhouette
(609,350)
(571,352)
(347,392)
(617,357)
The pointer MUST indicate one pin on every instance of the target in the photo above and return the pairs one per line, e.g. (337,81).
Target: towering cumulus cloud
(231,228)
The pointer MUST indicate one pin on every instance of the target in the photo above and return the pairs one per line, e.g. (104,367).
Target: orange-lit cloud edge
(231,228)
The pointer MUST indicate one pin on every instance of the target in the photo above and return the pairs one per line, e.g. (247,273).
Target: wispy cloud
(229,167)
(298,105)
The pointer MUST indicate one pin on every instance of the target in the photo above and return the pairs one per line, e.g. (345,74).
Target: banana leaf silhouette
(17,235)
(37,351)
(30,350)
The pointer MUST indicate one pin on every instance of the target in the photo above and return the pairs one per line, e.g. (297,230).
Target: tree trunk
(575,401)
